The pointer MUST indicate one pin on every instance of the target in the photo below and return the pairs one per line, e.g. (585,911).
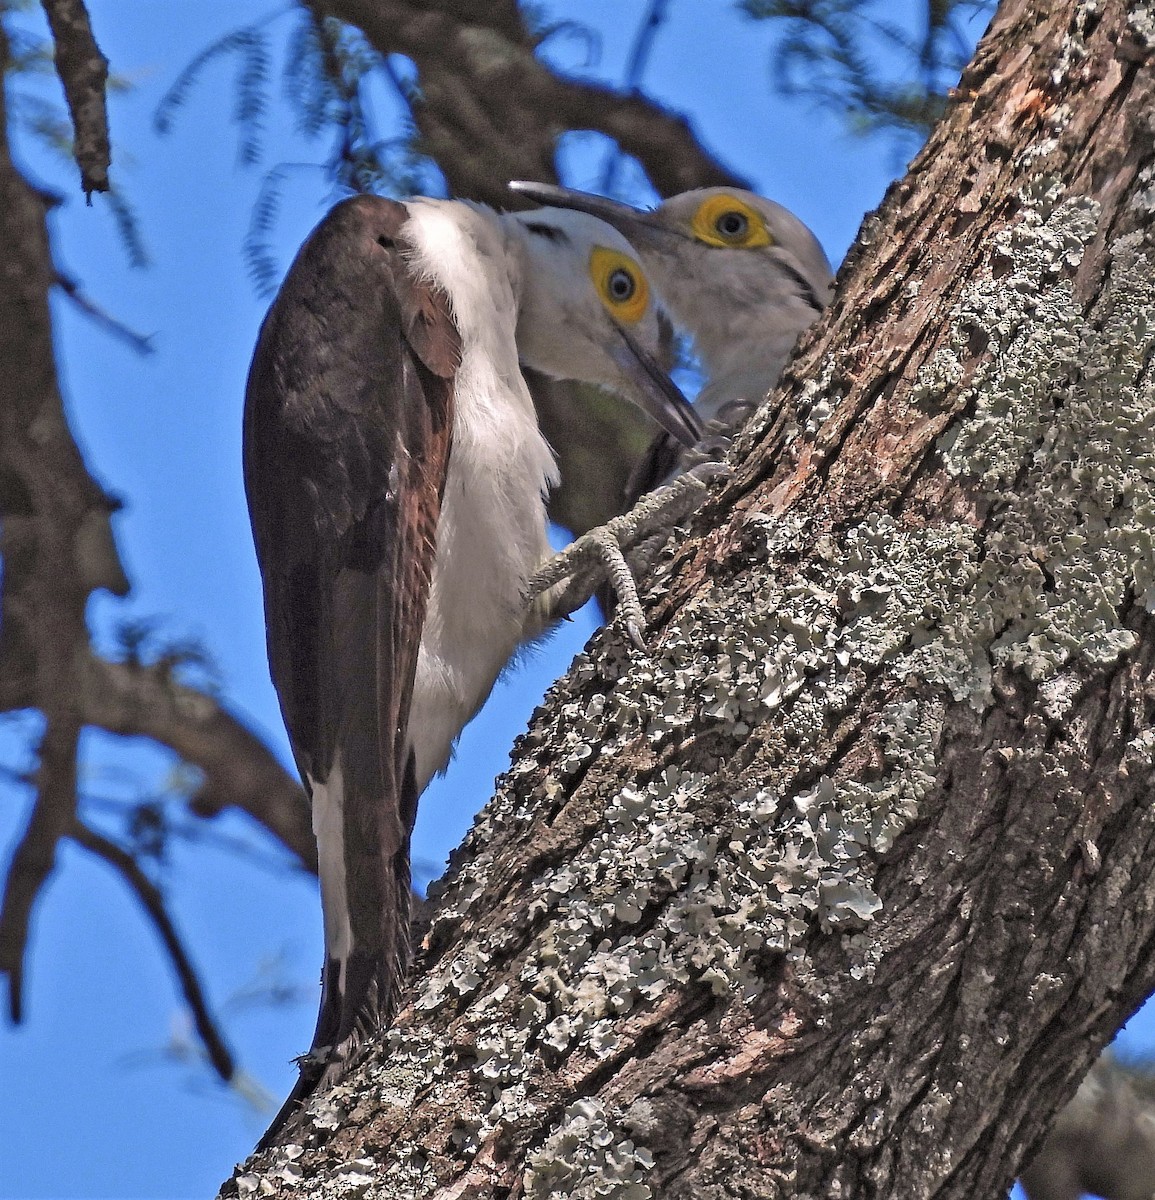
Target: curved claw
(573,574)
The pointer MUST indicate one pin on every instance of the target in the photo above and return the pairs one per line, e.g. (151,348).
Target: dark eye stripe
(550,232)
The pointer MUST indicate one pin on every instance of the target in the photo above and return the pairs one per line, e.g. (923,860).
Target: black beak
(656,392)
(644,229)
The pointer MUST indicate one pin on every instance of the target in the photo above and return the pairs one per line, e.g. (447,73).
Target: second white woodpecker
(741,274)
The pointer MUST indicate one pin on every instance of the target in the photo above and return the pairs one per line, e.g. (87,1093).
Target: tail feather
(360,991)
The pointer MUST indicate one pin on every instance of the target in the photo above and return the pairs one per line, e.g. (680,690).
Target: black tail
(359,998)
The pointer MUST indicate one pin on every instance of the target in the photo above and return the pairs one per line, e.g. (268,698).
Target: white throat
(492,534)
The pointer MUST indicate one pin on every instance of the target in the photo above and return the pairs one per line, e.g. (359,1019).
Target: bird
(740,273)
(396,481)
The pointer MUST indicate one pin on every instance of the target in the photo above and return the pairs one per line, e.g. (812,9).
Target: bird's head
(587,312)
(733,267)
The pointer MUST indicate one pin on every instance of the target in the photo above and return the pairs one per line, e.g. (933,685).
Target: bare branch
(488,110)
(140,342)
(35,856)
(152,901)
(56,542)
(83,72)
(240,771)
(58,547)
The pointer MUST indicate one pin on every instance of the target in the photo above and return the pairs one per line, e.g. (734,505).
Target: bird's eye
(724,220)
(732,225)
(620,284)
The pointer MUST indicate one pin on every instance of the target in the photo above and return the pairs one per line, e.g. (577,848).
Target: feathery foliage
(858,59)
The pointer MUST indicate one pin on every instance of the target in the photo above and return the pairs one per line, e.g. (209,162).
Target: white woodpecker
(396,480)
(740,273)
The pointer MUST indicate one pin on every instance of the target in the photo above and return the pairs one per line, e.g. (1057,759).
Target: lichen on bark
(892,727)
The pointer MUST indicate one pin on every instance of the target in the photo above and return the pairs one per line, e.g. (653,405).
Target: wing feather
(348,420)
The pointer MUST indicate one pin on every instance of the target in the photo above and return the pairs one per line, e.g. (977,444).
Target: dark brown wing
(348,418)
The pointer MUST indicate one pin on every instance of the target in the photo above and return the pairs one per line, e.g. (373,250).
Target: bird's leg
(575,573)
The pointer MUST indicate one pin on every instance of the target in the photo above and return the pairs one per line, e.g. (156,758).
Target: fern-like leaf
(128,227)
(259,259)
(252,85)
(178,93)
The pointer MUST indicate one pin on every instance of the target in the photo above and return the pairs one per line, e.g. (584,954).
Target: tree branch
(56,542)
(58,547)
(152,901)
(490,111)
(239,769)
(52,815)
(83,71)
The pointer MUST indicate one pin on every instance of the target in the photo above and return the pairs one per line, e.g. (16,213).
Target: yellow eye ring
(620,284)
(723,220)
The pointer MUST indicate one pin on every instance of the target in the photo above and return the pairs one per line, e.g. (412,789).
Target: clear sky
(103,1095)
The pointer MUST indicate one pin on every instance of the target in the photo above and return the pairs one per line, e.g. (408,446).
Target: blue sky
(100,1101)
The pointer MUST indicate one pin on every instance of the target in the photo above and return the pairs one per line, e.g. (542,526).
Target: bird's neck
(754,341)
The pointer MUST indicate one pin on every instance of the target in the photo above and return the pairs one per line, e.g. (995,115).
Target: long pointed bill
(639,226)
(655,391)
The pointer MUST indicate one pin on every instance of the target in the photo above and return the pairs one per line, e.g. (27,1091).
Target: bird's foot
(719,433)
(575,573)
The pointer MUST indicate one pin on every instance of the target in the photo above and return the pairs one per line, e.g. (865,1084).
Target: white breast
(492,532)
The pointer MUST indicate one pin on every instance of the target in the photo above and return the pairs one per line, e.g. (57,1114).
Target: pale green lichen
(587,1157)
(284,1171)
(407,1175)
(819,397)
(1062,437)
(1073,48)
(1144,201)
(1141,22)
(415,1059)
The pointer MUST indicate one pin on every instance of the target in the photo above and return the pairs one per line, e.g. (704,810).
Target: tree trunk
(839,890)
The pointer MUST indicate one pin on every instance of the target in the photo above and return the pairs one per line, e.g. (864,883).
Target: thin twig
(644,43)
(140,342)
(194,831)
(35,855)
(151,898)
(635,69)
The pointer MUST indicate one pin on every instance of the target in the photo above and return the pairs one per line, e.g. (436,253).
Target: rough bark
(840,889)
